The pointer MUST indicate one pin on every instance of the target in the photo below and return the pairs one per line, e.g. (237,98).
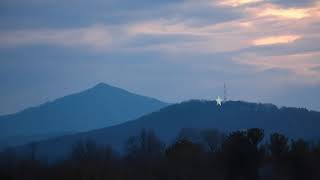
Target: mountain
(98,107)
(167,122)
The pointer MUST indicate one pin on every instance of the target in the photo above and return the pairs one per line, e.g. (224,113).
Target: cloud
(269,10)
(276,40)
(97,36)
(291,13)
(184,26)
(77,13)
(209,38)
(235,3)
(316,68)
(307,44)
(164,27)
(294,3)
(159,35)
(302,65)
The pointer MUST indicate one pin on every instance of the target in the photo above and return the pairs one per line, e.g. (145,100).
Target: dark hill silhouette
(167,122)
(98,107)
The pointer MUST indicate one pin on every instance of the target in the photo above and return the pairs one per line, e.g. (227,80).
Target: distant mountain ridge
(98,107)
(168,121)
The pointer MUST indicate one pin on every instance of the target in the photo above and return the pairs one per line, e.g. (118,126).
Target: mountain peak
(102,85)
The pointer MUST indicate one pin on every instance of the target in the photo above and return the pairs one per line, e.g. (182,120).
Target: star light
(219,101)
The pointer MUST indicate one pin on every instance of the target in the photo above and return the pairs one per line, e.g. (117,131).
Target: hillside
(100,106)
(167,122)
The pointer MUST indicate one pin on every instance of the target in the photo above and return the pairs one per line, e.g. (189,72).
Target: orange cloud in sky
(291,13)
(236,3)
(276,40)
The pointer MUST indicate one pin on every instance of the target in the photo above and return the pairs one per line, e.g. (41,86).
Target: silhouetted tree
(146,144)
(144,155)
(278,146)
(85,151)
(207,155)
(255,135)
(185,159)
(212,138)
(183,151)
(279,151)
(299,160)
(8,162)
(91,161)
(241,155)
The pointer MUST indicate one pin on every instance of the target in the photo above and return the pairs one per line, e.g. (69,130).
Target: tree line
(194,155)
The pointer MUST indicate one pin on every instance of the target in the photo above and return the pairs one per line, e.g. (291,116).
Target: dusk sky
(264,50)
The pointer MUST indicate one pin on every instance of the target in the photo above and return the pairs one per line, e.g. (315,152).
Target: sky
(174,50)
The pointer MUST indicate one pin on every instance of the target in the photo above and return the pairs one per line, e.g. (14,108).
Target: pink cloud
(283,39)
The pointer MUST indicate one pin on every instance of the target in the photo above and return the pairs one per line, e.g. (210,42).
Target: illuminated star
(219,101)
